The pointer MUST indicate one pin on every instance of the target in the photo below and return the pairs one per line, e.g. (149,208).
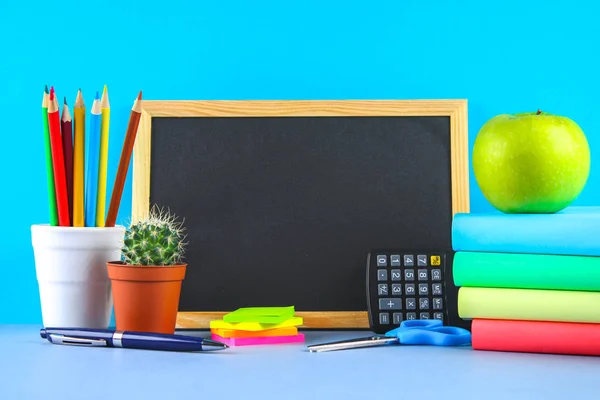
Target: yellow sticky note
(255,326)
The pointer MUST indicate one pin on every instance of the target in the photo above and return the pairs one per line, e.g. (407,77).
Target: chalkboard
(283,200)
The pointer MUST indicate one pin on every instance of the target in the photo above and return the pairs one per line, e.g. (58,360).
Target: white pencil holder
(70,265)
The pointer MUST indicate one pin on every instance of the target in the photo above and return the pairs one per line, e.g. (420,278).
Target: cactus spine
(154,240)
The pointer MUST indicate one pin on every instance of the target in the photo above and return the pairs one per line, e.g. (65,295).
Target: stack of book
(530,282)
(257,326)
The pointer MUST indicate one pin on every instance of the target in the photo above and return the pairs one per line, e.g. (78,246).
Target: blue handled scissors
(414,332)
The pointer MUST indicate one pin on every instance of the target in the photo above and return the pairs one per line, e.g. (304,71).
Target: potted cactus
(146,282)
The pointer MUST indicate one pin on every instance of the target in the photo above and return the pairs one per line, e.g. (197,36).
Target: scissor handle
(421,323)
(430,332)
(415,324)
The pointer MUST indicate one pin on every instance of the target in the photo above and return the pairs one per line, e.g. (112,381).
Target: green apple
(531,162)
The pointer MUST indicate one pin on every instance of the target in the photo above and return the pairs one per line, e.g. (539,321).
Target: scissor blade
(353,343)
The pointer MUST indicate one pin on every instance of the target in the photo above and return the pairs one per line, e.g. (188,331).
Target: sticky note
(254,326)
(232,333)
(250,341)
(263,315)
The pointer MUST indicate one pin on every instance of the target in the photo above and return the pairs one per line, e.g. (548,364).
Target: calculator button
(382,274)
(390,304)
(382,261)
(438,315)
(409,274)
(395,260)
(436,289)
(436,260)
(411,304)
(397,318)
(424,315)
(437,303)
(396,275)
(396,289)
(409,288)
(423,289)
(409,260)
(382,289)
(436,274)
(411,315)
(424,304)
(384,318)
(423,274)
(421,260)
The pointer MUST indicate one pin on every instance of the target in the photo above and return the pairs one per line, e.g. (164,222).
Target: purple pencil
(67,141)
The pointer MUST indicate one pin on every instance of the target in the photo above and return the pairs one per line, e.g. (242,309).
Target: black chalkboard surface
(282,210)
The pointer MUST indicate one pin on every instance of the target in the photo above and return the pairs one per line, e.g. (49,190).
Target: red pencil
(58,161)
(67,141)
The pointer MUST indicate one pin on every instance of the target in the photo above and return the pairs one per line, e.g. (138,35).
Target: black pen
(128,339)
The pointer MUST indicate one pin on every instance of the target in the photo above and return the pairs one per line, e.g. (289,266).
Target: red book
(573,338)
(66,125)
(58,162)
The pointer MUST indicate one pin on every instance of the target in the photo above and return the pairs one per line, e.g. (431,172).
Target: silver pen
(376,340)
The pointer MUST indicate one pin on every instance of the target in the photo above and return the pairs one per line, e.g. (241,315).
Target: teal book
(526,271)
(572,231)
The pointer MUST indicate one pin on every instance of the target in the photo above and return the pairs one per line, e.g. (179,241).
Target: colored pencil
(134,122)
(103,166)
(67,140)
(58,161)
(49,168)
(93,151)
(79,162)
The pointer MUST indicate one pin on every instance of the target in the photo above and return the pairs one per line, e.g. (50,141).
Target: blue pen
(128,339)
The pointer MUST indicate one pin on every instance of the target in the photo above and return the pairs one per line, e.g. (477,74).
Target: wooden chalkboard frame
(455,109)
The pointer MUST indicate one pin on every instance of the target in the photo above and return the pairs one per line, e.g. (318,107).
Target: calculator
(410,284)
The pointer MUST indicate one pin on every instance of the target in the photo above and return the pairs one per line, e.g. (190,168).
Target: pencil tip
(46,88)
(140,95)
(65,100)
(104,91)
(97,96)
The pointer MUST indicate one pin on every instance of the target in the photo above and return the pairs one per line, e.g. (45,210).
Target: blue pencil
(92,159)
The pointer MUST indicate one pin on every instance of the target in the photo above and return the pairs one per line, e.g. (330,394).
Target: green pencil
(49,168)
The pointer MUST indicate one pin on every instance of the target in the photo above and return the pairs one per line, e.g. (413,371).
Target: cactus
(154,240)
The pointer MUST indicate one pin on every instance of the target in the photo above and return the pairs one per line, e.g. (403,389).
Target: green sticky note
(263,315)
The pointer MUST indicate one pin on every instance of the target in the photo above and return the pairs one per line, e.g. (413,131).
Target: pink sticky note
(250,341)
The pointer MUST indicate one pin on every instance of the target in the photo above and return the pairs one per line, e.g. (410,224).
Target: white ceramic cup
(70,265)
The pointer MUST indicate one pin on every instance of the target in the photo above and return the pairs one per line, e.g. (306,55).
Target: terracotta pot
(146,298)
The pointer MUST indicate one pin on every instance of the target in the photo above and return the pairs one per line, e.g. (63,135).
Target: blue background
(505,56)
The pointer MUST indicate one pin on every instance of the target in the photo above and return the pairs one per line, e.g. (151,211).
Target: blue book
(572,231)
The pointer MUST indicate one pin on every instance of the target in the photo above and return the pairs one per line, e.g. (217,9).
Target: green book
(263,315)
(529,304)
(526,271)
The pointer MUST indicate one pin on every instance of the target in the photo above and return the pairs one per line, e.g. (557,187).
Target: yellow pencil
(103,165)
(79,161)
